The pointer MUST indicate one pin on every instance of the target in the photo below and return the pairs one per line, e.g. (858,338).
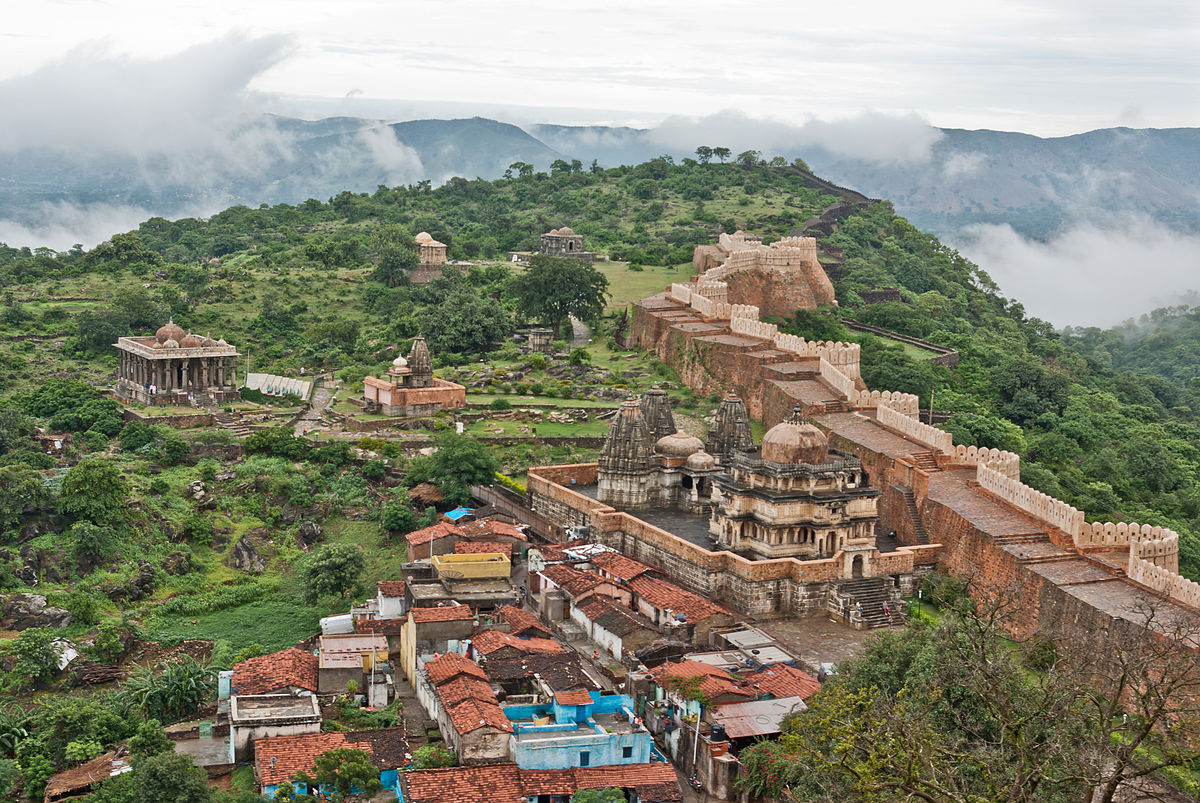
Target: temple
(173,364)
(432,259)
(794,497)
(565,242)
(410,388)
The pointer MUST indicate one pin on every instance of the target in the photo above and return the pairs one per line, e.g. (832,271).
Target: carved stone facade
(626,463)
(410,388)
(565,242)
(794,498)
(656,409)
(171,365)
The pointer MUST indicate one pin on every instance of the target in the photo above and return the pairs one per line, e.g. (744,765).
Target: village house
(578,729)
(352,657)
(438,539)
(433,630)
(614,629)
(541,675)
(292,671)
(484,548)
(561,585)
(455,692)
(279,759)
(261,715)
(677,611)
(486,645)
(87,777)
(521,623)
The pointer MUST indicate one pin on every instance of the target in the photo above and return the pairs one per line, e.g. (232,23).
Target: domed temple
(794,497)
(166,368)
(410,388)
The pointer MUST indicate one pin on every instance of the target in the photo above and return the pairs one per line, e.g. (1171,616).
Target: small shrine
(409,388)
(175,367)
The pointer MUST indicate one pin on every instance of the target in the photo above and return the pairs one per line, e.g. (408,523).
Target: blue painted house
(578,729)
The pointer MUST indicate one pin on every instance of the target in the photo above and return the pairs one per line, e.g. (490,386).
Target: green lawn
(274,624)
(627,286)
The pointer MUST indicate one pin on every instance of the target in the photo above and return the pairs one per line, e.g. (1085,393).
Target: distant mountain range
(1034,184)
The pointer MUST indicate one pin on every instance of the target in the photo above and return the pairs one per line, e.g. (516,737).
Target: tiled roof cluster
(487,642)
(664,596)
(391,588)
(491,528)
(445,613)
(267,673)
(560,672)
(461,688)
(483,548)
(380,627)
(280,758)
(573,581)
(620,566)
(443,529)
(522,622)
(506,783)
(612,617)
(781,680)
(714,683)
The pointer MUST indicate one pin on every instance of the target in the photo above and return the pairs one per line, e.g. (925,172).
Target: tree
(459,462)
(94,491)
(433,756)
(399,518)
(465,321)
(346,772)
(395,255)
(554,288)
(21,489)
(721,153)
(170,778)
(150,739)
(35,654)
(749,158)
(332,569)
(612,795)
(704,154)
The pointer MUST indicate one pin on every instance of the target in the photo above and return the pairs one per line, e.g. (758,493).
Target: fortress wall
(1157,544)
(1056,513)
(938,439)
(905,403)
(837,380)
(1164,581)
(1006,463)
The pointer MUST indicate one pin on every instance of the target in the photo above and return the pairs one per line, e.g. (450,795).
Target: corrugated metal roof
(756,718)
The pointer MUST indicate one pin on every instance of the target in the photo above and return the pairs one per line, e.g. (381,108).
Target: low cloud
(963,165)
(1089,275)
(870,136)
(401,163)
(65,224)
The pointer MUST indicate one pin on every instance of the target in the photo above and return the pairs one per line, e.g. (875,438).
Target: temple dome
(424,237)
(156,345)
(399,362)
(191,342)
(169,331)
(701,461)
(170,343)
(678,444)
(792,442)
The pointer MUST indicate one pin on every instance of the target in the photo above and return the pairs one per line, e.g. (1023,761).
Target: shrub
(159,486)
(433,756)
(500,404)
(374,469)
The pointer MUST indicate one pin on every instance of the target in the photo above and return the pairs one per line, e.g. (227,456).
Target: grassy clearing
(627,286)
(274,624)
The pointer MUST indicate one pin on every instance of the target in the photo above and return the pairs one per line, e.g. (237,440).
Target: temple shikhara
(410,388)
(166,368)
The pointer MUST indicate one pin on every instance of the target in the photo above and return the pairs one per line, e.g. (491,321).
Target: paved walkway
(580,334)
(315,414)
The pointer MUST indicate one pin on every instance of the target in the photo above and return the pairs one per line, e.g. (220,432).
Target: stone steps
(230,423)
(871,593)
(914,515)
(926,461)
(1037,538)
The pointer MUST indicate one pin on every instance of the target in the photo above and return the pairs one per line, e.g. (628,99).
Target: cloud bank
(1089,275)
(870,136)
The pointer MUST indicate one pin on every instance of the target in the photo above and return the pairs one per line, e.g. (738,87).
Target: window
(626,752)
(585,759)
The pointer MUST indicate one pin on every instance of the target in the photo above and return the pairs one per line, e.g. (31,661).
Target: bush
(159,486)
(433,756)
(374,469)
(500,404)
(108,646)
(579,356)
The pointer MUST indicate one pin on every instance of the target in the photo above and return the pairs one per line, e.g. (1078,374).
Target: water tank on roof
(717,734)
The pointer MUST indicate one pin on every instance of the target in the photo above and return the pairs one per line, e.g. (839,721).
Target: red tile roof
(380,627)
(443,529)
(483,548)
(667,596)
(573,581)
(522,622)
(391,588)
(268,673)
(489,641)
(281,758)
(494,783)
(472,714)
(781,680)
(506,783)
(453,692)
(451,665)
(612,617)
(619,566)
(492,527)
(714,683)
(579,697)
(447,613)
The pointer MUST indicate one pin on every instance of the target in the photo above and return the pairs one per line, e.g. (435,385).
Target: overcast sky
(1050,67)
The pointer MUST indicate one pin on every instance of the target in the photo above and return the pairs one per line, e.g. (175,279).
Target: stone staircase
(232,424)
(926,461)
(871,593)
(914,516)
(204,399)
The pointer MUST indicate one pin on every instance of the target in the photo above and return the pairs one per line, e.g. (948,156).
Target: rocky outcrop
(178,562)
(23,611)
(310,531)
(245,557)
